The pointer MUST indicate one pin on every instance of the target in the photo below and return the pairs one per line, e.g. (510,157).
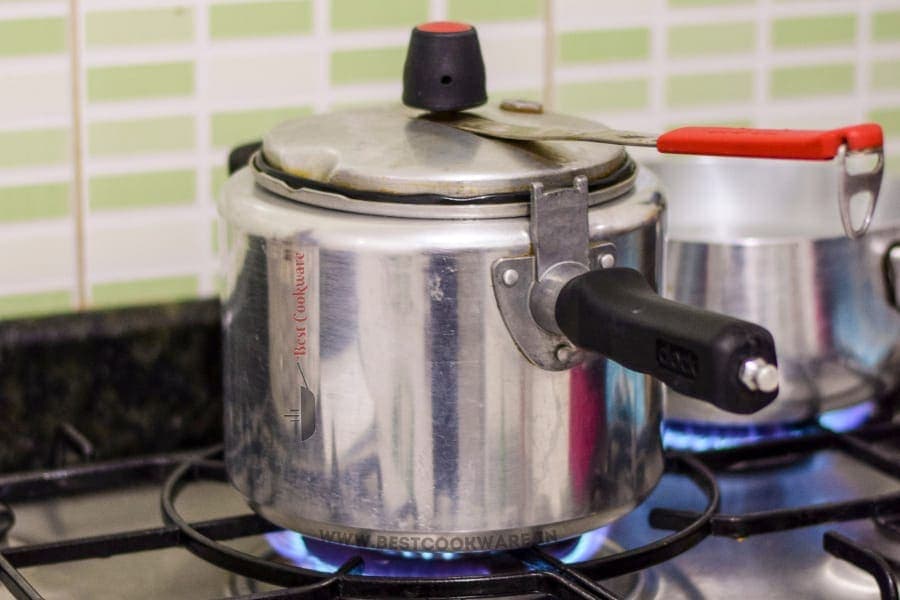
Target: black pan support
(540,573)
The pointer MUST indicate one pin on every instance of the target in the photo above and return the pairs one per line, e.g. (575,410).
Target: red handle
(770,143)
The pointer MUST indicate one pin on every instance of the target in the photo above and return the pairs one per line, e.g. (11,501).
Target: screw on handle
(696,352)
(771,143)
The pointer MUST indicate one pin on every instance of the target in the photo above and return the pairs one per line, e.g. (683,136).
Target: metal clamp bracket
(526,287)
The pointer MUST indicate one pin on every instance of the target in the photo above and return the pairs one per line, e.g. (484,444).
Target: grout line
(77,134)
(437,10)
(659,58)
(763,63)
(548,88)
(864,61)
(205,202)
(321,24)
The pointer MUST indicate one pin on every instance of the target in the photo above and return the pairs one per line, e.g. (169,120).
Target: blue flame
(292,546)
(326,557)
(848,419)
(699,437)
(588,546)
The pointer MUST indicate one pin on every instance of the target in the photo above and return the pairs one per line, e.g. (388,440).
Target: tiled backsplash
(107,177)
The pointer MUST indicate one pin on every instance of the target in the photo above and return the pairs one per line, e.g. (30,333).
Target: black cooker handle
(725,361)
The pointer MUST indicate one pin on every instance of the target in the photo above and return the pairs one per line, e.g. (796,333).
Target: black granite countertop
(131,381)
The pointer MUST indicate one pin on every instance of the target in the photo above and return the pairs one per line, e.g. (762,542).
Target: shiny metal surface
(389,149)
(430,425)
(761,240)
(543,132)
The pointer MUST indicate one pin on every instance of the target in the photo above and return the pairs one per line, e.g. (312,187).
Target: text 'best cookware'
(439,341)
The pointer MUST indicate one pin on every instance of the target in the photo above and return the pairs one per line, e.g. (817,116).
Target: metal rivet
(607,261)
(522,106)
(510,277)
(564,353)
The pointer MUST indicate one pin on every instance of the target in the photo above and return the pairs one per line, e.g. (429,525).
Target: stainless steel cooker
(758,240)
(438,341)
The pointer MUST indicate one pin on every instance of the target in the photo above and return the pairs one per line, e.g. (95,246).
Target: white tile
(513,61)
(261,78)
(34,95)
(601,14)
(37,255)
(145,243)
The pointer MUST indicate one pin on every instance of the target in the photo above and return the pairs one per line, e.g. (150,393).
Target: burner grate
(541,573)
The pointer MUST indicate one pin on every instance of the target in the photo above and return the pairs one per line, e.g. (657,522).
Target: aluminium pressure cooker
(440,341)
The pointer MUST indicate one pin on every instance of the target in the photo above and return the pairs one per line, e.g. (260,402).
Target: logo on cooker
(304,416)
(677,359)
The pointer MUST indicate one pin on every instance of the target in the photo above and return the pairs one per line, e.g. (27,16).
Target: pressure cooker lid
(397,153)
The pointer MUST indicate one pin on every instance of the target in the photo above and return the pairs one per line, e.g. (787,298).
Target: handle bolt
(757,374)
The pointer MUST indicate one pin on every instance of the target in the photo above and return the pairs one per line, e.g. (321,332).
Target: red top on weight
(444,27)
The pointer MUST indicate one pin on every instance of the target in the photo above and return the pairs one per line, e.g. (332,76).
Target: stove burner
(327,557)
(846,419)
(701,437)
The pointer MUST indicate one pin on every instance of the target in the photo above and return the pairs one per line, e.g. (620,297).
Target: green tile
(214,236)
(140,81)
(886,26)
(136,27)
(130,190)
(709,88)
(689,3)
(601,96)
(371,64)
(31,202)
(353,14)
(145,291)
(34,147)
(804,32)
(35,304)
(886,75)
(892,165)
(889,118)
(712,38)
(217,177)
(160,134)
(479,11)
(19,37)
(260,19)
(232,128)
(604,45)
(813,80)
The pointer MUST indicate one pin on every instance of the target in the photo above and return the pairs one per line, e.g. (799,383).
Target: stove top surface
(794,519)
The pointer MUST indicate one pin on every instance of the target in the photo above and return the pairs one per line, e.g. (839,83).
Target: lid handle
(444,70)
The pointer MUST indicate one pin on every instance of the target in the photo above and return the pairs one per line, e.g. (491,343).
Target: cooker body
(374,396)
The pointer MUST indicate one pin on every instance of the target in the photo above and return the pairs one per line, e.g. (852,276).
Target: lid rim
(260,165)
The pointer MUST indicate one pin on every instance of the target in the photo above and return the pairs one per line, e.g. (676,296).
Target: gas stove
(805,512)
